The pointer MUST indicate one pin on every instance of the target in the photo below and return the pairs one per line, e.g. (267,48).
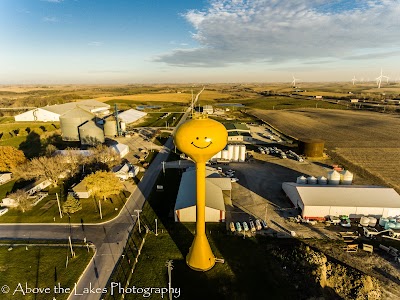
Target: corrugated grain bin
(91,133)
(333,177)
(110,127)
(311,180)
(346,177)
(312,148)
(236,151)
(322,180)
(71,120)
(301,180)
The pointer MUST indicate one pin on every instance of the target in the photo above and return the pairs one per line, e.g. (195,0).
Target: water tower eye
(197,138)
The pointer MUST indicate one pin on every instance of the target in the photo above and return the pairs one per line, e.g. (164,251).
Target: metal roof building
(131,115)
(185,206)
(355,201)
(52,113)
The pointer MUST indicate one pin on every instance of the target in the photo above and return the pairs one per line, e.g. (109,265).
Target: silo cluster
(234,153)
(333,178)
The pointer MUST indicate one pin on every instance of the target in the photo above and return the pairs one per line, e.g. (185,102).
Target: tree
(71,205)
(24,203)
(103,184)
(50,150)
(10,158)
(50,168)
(105,155)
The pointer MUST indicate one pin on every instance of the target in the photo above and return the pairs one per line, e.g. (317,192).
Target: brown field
(162,97)
(368,142)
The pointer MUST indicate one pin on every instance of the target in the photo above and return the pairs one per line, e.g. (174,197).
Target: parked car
(219,169)
(264,224)
(234,179)
(238,227)
(258,224)
(245,227)
(345,222)
(232,226)
(252,227)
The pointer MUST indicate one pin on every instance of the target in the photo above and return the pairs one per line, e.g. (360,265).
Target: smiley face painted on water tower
(200,139)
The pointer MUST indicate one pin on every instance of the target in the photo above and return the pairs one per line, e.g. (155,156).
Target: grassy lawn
(40,267)
(47,209)
(6,188)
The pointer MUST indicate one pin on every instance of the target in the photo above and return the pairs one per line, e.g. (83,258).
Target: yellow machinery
(200,139)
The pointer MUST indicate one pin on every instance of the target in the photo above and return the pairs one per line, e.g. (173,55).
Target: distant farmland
(367,142)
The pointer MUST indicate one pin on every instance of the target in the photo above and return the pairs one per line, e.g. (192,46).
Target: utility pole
(59,206)
(101,215)
(138,218)
(163,167)
(156,227)
(192,103)
(170,267)
(70,245)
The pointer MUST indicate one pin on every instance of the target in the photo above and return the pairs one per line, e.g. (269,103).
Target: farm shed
(81,191)
(355,201)
(121,149)
(216,191)
(131,115)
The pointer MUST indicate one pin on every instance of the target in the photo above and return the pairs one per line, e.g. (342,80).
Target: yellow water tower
(200,139)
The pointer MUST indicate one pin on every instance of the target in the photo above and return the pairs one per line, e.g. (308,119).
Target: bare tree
(10,158)
(24,203)
(50,168)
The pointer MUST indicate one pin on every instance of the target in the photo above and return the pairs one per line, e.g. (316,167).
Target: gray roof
(343,195)
(131,115)
(77,112)
(187,192)
(87,105)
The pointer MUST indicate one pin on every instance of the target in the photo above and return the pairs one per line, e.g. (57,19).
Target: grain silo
(242,153)
(312,148)
(71,120)
(333,177)
(224,154)
(235,153)
(230,151)
(91,133)
(346,177)
(110,126)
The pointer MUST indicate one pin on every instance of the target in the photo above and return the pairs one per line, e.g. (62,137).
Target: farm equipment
(333,220)
(372,233)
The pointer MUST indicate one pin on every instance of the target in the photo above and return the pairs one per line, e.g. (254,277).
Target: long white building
(355,201)
(52,113)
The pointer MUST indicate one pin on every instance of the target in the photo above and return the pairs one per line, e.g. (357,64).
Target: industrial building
(52,113)
(208,109)
(234,153)
(238,132)
(218,192)
(355,201)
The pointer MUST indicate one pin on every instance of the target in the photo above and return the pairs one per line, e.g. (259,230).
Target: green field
(47,209)
(40,267)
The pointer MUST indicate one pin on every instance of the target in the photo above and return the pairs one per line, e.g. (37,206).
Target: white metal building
(81,191)
(355,201)
(52,113)
(121,149)
(216,188)
(131,115)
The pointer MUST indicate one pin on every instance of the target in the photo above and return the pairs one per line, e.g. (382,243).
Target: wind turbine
(354,79)
(294,81)
(379,79)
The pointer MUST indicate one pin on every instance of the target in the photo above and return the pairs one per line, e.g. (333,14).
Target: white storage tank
(224,154)
(311,180)
(236,150)
(122,126)
(218,155)
(230,151)
(242,153)
(346,177)
(364,221)
(333,177)
(301,180)
(372,221)
(322,180)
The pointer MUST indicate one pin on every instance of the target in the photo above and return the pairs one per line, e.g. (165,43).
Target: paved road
(109,238)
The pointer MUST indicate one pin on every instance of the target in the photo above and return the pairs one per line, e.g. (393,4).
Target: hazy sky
(137,41)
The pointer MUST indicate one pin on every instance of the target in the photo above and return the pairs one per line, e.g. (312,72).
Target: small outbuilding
(5,177)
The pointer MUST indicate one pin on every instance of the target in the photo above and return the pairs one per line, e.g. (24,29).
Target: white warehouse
(355,201)
(52,113)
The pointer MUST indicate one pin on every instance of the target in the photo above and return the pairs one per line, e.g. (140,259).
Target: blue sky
(150,41)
